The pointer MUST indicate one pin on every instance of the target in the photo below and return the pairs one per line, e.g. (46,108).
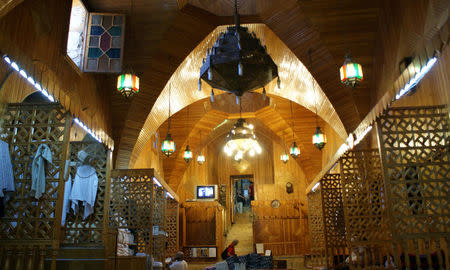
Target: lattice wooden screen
(333,219)
(159,219)
(131,202)
(363,193)
(89,231)
(31,223)
(316,229)
(172,227)
(415,150)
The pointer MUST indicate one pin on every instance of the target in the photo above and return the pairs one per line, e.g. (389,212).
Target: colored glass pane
(105,42)
(107,22)
(113,53)
(94,52)
(97,30)
(115,31)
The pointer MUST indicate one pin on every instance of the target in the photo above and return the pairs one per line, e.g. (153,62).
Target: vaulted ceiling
(160,34)
(213,120)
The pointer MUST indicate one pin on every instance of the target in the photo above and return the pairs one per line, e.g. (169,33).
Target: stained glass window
(77,32)
(105,43)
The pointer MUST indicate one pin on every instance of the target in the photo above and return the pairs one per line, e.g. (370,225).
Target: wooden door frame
(233,179)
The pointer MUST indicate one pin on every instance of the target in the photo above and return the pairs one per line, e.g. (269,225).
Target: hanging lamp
(294,150)
(319,139)
(350,72)
(201,158)
(237,62)
(168,145)
(128,82)
(187,155)
(284,157)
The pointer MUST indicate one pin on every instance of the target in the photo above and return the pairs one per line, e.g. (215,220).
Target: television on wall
(206,192)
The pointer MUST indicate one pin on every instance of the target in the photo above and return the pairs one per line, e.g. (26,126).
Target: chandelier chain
(292,118)
(313,84)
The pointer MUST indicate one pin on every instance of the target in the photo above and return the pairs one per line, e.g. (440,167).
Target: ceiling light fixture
(128,84)
(241,140)
(319,139)
(187,155)
(284,157)
(201,158)
(294,150)
(168,145)
(351,73)
(237,62)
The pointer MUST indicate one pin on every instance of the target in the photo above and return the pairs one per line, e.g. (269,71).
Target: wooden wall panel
(283,230)
(44,24)
(201,223)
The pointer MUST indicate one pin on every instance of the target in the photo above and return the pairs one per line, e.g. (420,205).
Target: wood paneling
(283,230)
(8,5)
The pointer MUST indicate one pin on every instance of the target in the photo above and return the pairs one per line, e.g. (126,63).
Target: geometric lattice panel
(131,202)
(333,218)
(172,226)
(105,39)
(415,151)
(89,231)
(159,219)
(316,228)
(26,128)
(368,234)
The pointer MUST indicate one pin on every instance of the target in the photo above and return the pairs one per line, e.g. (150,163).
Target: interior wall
(35,34)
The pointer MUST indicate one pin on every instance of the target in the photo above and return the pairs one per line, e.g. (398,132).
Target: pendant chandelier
(128,84)
(237,62)
(294,150)
(319,139)
(187,155)
(201,158)
(351,72)
(168,145)
(241,140)
(284,157)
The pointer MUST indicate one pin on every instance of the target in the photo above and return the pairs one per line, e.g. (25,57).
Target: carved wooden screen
(414,145)
(159,219)
(363,194)
(89,231)
(172,226)
(131,201)
(333,219)
(316,229)
(31,223)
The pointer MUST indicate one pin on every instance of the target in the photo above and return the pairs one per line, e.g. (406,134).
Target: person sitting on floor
(229,251)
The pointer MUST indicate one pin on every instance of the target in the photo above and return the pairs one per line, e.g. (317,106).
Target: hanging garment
(66,204)
(84,189)
(38,169)
(6,170)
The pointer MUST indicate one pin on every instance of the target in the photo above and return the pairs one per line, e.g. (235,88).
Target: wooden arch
(297,85)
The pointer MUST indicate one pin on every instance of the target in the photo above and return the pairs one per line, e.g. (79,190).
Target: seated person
(179,263)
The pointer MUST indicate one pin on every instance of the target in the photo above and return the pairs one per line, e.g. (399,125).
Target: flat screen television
(206,192)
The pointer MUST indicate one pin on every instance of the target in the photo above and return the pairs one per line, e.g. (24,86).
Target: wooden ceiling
(160,35)
(272,121)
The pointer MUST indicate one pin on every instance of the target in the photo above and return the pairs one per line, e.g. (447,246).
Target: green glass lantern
(294,150)
(187,154)
(319,139)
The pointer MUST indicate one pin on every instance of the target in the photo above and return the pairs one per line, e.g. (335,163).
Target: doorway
(242,194)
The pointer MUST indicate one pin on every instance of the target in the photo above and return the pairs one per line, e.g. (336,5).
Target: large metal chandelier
(238,62)
(241,140)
